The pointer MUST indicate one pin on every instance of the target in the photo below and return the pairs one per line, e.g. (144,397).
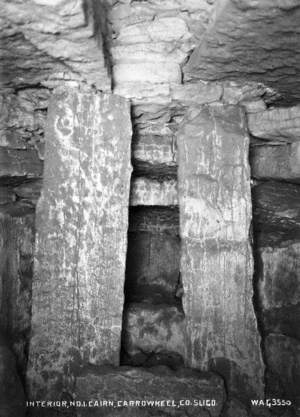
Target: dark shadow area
(153,314)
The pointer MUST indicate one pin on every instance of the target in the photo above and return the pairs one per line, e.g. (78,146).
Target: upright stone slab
(216,262)
(82,221)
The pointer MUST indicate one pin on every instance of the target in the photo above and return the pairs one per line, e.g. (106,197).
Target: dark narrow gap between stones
(258,265)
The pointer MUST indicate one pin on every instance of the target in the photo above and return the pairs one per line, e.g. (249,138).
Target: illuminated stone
(82,222)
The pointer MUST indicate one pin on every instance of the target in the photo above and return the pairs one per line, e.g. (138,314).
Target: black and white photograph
(149,208)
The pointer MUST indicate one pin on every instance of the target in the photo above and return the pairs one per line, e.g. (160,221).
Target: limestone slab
(276,162)
(279,124)
(154,154)
(153,192)
(82,221)
(276,217)
(267,30)
(216,261)
(155,332)
(157,383)
(59,41)
(19,163)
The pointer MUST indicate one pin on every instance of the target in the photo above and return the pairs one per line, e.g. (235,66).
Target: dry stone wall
(166,57)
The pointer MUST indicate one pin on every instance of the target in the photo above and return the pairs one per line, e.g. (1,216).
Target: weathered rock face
(216,260)
(154,154)
(152,266)
(147,49)
(151,41)
(16,248)
(82,220)
(154,192)
(279,289)
(277,238)
(19,164)
(60,41)
(153,333)
(282,124)
(263,30)
(154,220)
(276,213)
(151,384)
(12,398)
(281,163)
(23,119)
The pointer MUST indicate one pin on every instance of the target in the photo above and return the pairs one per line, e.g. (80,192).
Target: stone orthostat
(82,222)
(216,260)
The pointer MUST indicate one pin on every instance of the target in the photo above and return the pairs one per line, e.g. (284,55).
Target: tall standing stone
(216,260)
(82,221)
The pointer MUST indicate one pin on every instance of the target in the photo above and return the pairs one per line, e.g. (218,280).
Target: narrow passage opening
(153,319)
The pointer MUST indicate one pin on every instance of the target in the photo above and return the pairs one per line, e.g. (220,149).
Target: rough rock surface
(21,164)
(281,163)
(278,124)
(154,154)
(153,333)
(153,191)
(60,41)
(16,254)
(82,221)
(216,259)
(277,241)
(268,30)
(151,384)
(276,213)
(154,219)
(23,118)
(150,41)
(152,269)
(12,398)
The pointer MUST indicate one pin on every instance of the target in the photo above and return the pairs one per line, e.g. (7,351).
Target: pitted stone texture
(263,29)
(59,41)
(276,162)
(12,398)
(16,247)
(153,192)
(279,288)
(23,118)
(82,222)
(157,383)
(216,260)
(279,124)
(276,213)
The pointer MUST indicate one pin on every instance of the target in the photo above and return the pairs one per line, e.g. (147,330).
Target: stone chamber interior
(150,207)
